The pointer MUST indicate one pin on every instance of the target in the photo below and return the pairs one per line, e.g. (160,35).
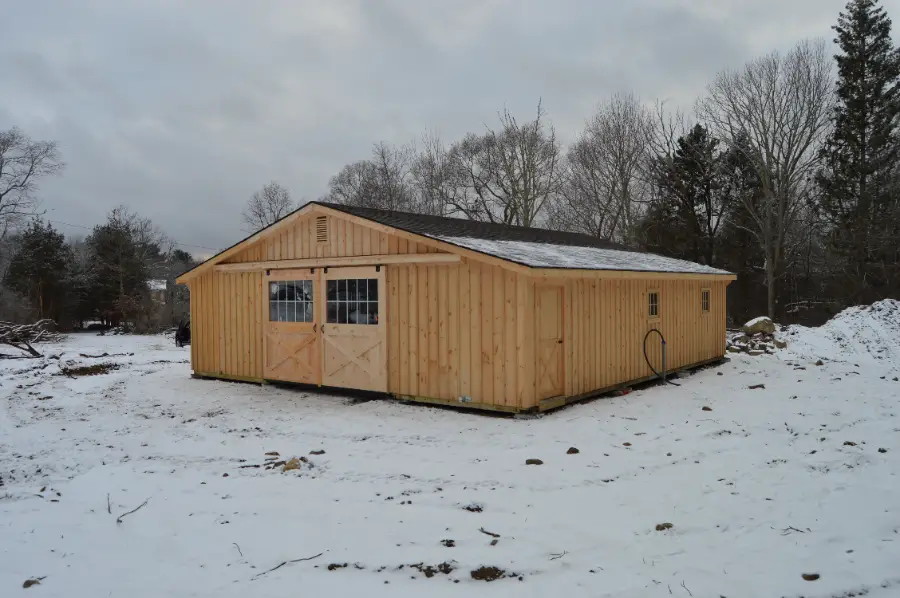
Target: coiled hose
(661,376)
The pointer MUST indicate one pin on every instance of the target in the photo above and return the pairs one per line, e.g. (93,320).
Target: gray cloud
(181,110)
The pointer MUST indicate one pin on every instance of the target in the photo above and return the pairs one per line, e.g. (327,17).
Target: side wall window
(653,304)
(704,300)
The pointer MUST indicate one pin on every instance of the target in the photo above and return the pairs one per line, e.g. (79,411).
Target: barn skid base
(544,406)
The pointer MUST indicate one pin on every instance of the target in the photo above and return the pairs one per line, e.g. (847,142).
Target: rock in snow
(761,324)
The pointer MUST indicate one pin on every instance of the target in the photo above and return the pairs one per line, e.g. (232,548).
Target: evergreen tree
(118,271)
(38,270)
(859,186)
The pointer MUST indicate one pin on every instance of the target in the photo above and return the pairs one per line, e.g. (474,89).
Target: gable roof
(526,246)
(442,226)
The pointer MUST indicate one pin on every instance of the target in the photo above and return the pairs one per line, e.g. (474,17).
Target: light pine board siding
(461,330)
(466,329)
(605,322)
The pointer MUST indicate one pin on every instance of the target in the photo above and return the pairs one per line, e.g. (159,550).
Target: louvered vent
(322,229)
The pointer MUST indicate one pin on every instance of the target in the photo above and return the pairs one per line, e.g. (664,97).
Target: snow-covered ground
(798,477)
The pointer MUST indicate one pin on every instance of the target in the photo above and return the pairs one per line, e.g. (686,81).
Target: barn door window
(653,304)
(352,301)
(291,301)
(704,300)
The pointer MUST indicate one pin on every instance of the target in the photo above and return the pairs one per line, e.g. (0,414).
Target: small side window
(653,304)
(704,300)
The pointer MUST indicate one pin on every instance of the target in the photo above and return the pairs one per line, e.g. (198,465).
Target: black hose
(661,376)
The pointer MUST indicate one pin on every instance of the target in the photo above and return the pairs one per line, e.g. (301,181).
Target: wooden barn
(448,311)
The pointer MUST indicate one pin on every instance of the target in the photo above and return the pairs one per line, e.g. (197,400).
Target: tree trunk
(770,285)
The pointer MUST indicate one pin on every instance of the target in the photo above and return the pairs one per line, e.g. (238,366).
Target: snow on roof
(157,285)
(545,255)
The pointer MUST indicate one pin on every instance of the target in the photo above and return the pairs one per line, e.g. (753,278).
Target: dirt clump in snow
(89,370)
(490,573)
(661,527)
(572,451)
(473,508)
(533,462)
(431,570)
(448,543)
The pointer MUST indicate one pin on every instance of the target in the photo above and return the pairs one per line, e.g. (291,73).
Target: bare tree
(383,181)
(23,162)
(434,178)
(510,175)
(606,183)
(779,104)
(267,205)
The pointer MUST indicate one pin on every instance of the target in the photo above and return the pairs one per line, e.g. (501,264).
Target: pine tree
(859,179)
(39,269)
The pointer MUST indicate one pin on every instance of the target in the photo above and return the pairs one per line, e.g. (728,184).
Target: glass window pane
(342,290)
(362,312)
(273,291)
(331,289)
(373,312)
(308,307)
(293,316)
(331,316)
(361,289)
(351,290)
(373,289)
(307,290)
(273,311)
(342,313)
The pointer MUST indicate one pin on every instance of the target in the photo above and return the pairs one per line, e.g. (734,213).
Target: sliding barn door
(354,334)
(293,347)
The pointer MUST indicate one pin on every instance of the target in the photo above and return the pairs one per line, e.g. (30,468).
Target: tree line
(783,175)
(102,278)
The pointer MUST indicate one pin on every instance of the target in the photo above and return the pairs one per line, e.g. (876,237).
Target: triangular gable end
(302,234)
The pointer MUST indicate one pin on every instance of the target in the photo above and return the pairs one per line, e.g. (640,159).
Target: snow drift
(857,333)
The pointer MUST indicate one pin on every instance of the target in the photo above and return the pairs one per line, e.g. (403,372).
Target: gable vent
(322,229)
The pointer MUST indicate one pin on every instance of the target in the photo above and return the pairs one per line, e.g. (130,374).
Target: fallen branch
(789,529)
(282,564)
(686,588)
(491,534)
(239,549)
(559,555)
(23,336)
(108,505)
(138,508)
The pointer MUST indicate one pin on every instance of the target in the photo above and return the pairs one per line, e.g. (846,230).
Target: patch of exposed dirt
(473,508)
(89,370)
(491,574)
(432,570)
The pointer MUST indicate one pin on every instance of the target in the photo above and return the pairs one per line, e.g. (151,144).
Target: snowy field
(760,485)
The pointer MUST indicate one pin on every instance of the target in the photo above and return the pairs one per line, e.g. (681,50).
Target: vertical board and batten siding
(463,331)
(606,320)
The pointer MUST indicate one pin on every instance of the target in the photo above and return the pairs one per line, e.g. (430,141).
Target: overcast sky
(181,109)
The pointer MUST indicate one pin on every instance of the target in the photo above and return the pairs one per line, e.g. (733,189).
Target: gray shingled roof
(439,226)
(533,247)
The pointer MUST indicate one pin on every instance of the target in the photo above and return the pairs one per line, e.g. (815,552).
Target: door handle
(558,342)
(314,326)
